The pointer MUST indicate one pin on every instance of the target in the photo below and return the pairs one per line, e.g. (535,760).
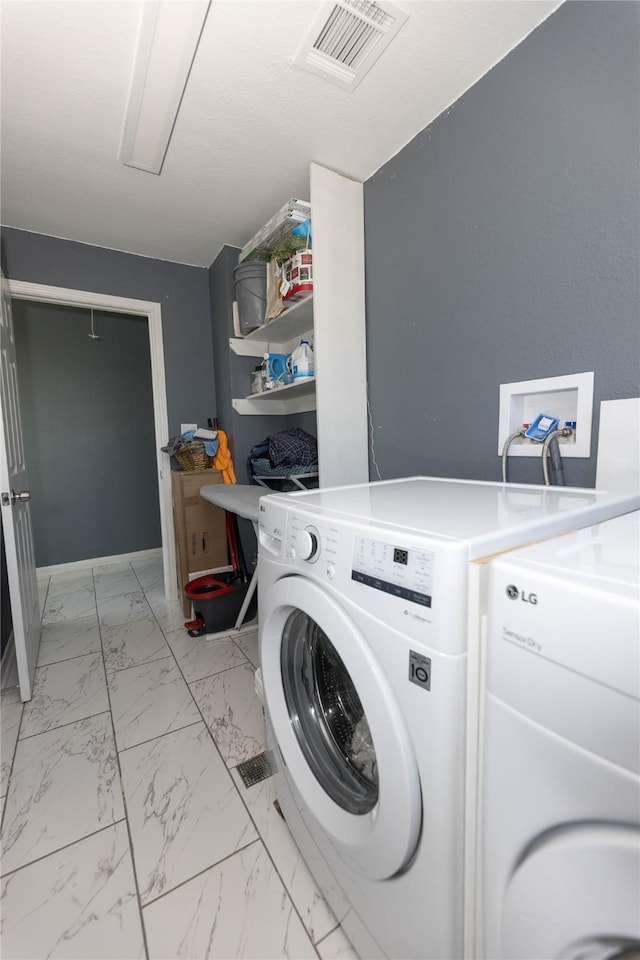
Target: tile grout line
(20,722)
(53,663)
(228,770)
(65,846)
(276,870)
(18,738)
(69,723)
(219,673)
(51,623)
(200,873)
(13,760)
(134,666)
(215,746)
(158,736)
(143,929)
(242,800)
(44,603)
(323,938)
(314,944)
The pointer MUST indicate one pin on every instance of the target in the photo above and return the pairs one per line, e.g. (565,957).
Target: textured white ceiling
(249,123)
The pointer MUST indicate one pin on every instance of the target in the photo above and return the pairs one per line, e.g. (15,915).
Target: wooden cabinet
(335,318)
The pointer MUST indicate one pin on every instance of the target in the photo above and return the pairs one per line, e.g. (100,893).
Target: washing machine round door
(576,896)
(339,728)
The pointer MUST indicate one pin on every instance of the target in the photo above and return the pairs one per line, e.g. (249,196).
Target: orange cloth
(222,460)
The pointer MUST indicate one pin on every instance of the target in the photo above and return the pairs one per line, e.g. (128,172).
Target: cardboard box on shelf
(200,528)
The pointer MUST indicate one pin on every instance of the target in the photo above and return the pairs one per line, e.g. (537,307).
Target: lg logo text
(514,594)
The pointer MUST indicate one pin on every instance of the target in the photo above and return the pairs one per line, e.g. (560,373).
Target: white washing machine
(560,851)
(368,602)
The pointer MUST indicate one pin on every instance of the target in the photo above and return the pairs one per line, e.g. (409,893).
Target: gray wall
(88,427)
(502,244)
(182,291)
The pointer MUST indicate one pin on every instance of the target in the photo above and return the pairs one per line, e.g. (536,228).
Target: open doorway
(151,313)
(86,406)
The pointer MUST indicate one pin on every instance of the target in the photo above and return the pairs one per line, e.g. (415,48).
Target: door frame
(151,311)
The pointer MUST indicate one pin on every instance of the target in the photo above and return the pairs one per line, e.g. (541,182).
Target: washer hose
(551,451)
(505,450)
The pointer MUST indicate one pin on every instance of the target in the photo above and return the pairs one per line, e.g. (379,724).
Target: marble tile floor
(126,829)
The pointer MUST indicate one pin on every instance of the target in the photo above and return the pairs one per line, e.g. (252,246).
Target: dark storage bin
(217,600)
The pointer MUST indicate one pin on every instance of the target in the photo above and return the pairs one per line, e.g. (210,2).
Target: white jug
(302,361)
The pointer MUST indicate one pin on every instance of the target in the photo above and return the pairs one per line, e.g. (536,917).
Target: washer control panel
(399,569)
(396,569)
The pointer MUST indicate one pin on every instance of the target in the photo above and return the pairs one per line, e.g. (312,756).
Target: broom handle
(239,550)
(235,547)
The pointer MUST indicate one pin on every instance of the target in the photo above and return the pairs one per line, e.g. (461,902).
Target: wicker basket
(194,457)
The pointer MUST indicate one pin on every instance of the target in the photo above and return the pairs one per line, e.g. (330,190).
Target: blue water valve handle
(542,426)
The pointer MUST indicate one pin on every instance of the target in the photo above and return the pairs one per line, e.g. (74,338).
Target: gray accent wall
(182,291)
(88,428)
(502,244)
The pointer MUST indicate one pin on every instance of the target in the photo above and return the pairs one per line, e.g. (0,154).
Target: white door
(16,515)
(339,728)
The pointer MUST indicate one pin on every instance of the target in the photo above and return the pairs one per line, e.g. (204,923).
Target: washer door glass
(327,715)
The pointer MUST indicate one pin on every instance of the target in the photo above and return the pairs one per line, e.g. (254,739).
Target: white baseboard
(154,554)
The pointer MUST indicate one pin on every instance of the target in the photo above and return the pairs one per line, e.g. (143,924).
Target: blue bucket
(279,366)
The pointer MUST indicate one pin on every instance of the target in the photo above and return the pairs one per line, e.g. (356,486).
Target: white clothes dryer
(559,857)
(368,602)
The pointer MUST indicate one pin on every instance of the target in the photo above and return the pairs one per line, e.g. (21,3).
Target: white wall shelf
(334,317)
(297,397)
(569,398)
(277,335)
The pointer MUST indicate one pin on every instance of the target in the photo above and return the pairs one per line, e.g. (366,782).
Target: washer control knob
(308,544)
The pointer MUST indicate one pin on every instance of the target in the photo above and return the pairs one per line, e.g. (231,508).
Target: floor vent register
(256,769)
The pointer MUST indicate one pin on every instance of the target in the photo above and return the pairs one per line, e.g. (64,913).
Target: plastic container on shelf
(279,367)
(257,379)
(277,229)
(267,379)
(250,279)
(302,361)
(297,277)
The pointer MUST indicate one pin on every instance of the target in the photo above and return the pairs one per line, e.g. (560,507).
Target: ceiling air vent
(347,38)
